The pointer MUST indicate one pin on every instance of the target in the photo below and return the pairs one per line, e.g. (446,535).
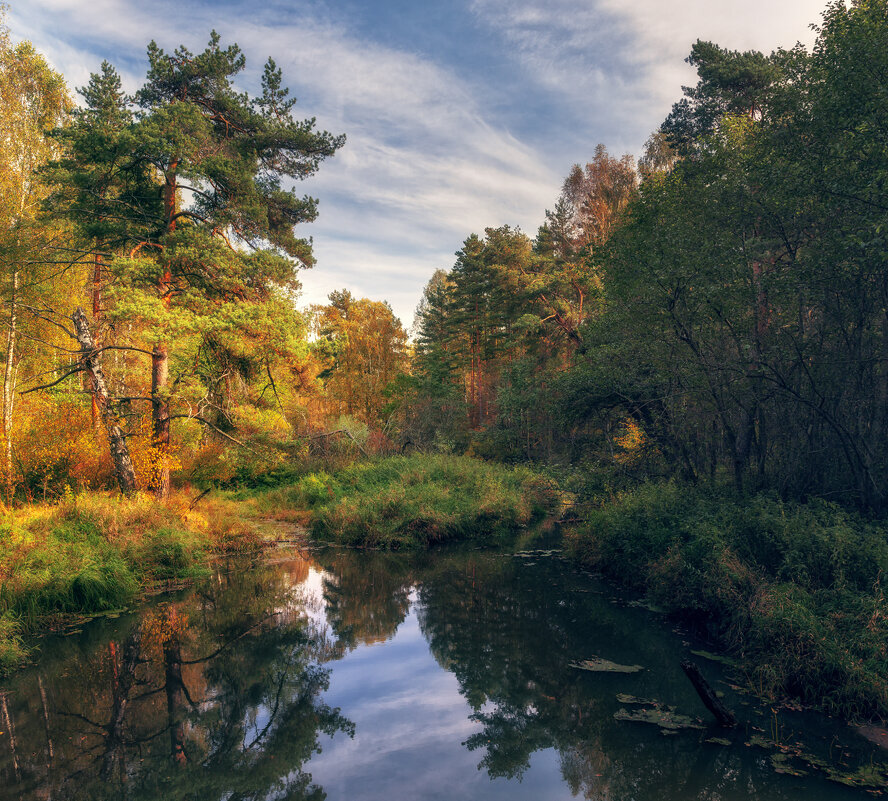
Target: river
(362,676)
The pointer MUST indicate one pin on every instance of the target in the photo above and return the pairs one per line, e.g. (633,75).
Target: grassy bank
(95,552)
(796,591)
(415,501)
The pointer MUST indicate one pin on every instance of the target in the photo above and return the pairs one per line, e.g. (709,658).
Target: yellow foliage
(149,459)
(631,441)
(160,626)
(55,443)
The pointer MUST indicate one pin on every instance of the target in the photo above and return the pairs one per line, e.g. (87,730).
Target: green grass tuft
(96,552)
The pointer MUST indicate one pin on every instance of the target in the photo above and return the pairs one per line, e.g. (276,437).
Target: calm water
(347,675)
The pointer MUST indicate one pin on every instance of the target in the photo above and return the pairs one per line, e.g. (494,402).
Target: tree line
(717,311)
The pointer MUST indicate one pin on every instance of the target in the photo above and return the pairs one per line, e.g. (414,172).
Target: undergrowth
(796,591)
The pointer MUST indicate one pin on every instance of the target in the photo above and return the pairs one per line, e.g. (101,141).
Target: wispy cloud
(621,62)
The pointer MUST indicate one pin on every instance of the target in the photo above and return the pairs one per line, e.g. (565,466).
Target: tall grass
(417,500)
(795,590)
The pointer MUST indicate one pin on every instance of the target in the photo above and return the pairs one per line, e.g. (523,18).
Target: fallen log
(711,701)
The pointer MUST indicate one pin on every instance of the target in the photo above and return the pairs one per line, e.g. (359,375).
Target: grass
(416,501)
(96,552)
(796,591)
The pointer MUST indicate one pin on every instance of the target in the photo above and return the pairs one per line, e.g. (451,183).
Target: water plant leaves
(874,776)
(717,740)
(623,698)
(598,665)
(781,764)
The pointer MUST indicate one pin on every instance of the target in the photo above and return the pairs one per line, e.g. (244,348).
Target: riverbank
(96,552)
(795,592)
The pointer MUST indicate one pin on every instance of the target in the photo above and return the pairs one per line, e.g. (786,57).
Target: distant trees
(724,309)
(362,351)
(33,98)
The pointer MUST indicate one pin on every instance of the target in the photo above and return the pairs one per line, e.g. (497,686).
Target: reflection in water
(367,598)
(445,662)
(213,695)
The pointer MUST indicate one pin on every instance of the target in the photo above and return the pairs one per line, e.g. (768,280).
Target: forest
(686,365)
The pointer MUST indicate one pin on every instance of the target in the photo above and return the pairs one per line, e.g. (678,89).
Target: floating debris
(666,718)
(789,756)
(598,665)
(623,698)
(725,660)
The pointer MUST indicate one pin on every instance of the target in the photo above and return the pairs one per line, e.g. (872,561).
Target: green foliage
(12,649)
(415,501)
(795,590)
(74,569)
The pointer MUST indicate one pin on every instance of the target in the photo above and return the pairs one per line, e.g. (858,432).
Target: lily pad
(717,740)
(664,718)
(598,665)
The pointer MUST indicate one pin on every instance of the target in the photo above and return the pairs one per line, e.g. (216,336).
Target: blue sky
(460,114)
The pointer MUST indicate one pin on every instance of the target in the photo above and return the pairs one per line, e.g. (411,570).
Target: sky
(459,114)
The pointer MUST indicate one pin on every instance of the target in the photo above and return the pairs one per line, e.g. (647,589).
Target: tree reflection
(367,595)
(508,633)
(215,695)
(218,693)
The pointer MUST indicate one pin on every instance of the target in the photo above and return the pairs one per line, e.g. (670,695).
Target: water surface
(342,674)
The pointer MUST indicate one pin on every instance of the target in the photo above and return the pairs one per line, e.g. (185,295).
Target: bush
(795,590)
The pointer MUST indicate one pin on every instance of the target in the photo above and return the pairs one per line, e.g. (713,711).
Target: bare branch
(77,369)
